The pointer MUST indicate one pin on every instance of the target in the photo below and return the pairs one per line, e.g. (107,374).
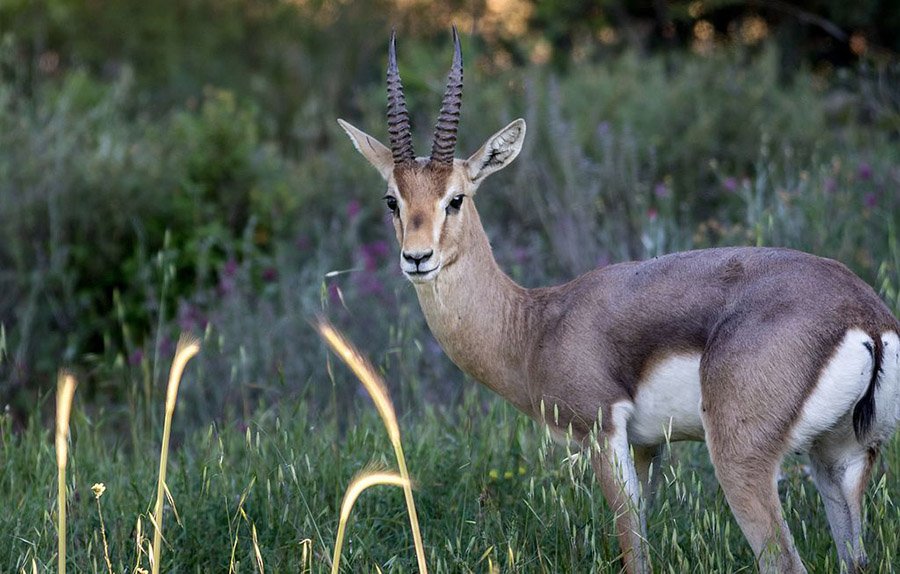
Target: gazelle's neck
(481,318)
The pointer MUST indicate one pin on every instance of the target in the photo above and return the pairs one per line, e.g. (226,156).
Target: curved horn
(397,114)
(444,144)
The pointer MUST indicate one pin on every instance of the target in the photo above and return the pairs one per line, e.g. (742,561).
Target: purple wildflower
(373,253)
(166,346)
(870,200)
(269,274)
(661,190)
(190,317)
(730,184)
(864,171)
(230,268)
(353,209)
(369,284)
(135,358)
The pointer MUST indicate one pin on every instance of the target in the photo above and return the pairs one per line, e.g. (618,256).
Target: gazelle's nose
(417,257)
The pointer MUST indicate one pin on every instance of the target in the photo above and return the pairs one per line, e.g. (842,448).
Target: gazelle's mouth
(422,276)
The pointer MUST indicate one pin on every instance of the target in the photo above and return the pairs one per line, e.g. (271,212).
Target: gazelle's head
(431,197)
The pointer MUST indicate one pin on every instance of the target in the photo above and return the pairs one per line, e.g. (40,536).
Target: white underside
(667,404)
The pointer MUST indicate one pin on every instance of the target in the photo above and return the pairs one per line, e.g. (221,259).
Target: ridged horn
(397,114)
(443,146)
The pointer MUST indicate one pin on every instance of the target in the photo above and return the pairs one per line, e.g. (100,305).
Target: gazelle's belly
(667,403)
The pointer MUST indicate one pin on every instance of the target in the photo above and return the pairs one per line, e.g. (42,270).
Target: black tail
(864,411)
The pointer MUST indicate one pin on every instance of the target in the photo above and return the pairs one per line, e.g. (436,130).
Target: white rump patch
(887,396)
(842,383)
(667,403)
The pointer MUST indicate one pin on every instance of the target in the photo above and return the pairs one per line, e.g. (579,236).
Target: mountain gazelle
(758,351)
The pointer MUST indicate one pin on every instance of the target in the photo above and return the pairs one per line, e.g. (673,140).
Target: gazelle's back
(731,308)
(687,294)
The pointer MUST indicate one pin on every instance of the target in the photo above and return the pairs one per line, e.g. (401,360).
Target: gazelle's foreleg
(615,469)
(646,463)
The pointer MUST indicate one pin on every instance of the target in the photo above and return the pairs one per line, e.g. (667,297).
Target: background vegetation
(177,166)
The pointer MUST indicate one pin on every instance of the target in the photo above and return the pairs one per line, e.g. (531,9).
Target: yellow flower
(98,489)
(521,471)
(508,474)
(493,474)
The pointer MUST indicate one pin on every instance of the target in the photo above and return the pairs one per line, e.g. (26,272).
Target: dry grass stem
(378,391)
(365,372)
(357,486)
(256,551)
(65,392)
(188,346)
(98,489)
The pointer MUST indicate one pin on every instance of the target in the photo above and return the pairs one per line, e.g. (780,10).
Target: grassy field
(493,492)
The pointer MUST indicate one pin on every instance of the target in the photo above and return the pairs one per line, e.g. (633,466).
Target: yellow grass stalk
(378,391)
(306,556)
(98,489)
(65,392)
(188,346)
(357,485)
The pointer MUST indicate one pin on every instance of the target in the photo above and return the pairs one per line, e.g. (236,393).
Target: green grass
(491,488)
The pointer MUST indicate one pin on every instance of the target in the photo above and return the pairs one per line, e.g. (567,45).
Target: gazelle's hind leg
(841,471)
(615,470)
(752,383)
(749,484)
(842,465)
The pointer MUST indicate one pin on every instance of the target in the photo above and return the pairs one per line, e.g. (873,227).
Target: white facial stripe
(448,197)
(439,218)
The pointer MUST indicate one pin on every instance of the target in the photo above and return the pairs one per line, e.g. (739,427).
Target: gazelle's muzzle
(420,265)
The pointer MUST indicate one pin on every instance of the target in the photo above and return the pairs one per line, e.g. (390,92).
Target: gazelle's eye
(455,204)
(391,202)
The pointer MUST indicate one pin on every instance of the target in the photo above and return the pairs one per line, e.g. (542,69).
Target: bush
(90,193)
(120,226)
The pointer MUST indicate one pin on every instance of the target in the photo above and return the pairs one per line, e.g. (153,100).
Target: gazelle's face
(430,199)
(430,202)
(430,205)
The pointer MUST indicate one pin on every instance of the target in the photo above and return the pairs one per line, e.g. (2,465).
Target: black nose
(417,257)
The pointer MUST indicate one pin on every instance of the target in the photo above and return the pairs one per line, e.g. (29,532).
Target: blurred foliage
(177,166)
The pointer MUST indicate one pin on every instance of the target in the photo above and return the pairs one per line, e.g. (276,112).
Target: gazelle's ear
(497,152)
(373,150)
